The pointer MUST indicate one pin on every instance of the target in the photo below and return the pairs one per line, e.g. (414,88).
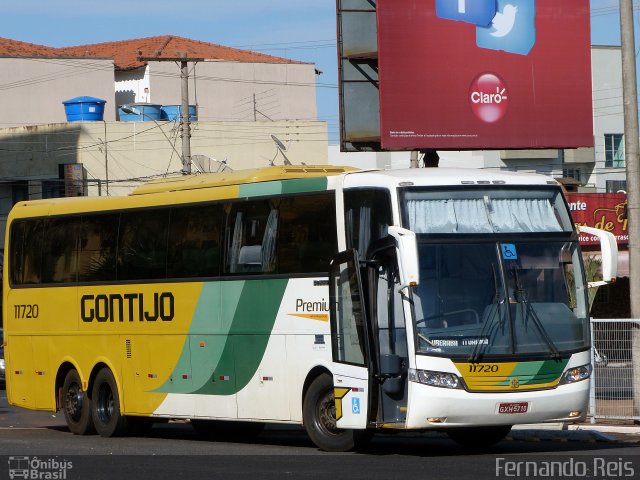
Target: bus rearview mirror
(609,250)
(407,252)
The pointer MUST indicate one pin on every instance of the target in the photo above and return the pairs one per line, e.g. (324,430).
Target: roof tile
(15,48)
(126,53)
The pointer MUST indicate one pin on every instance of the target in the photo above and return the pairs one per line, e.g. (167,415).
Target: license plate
(515,407)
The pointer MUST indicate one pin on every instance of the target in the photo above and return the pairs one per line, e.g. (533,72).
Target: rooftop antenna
(280,148)
(206,164)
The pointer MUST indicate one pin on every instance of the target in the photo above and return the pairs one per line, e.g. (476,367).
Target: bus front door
(387,317)
(349,342)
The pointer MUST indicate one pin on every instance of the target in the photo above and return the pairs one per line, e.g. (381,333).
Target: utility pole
(106,158)
(632,161)
(255,109)
(185,121)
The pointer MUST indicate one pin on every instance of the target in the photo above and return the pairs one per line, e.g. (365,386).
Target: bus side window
(60,254)
(367,216)
(26,261)
(307,239)
(97,244)
(195,235)
(142,245)
(16,259)
(252,233)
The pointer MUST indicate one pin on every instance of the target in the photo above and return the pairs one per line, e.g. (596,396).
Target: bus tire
(105,402)
(319,418)
(479,437)
(76,405)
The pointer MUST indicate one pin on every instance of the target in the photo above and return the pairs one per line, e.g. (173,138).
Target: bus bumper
(433,407)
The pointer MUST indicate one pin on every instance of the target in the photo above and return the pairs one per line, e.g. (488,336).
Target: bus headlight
(576,374)
(434,379)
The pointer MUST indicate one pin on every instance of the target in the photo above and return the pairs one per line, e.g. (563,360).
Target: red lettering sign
(606,211)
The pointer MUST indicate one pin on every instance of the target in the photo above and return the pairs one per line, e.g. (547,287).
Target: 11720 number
(26,311)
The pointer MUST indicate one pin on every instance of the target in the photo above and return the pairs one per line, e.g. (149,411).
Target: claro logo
(129,307)
(489,97)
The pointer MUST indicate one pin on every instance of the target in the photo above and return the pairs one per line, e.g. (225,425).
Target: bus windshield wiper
(489,325)
(521,298)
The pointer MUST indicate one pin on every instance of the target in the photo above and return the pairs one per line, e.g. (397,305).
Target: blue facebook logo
(477,12)
(513,29)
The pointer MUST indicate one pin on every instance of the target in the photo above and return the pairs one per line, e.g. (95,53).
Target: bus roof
(177,190)
(229,185)
(441,177)
(239,177)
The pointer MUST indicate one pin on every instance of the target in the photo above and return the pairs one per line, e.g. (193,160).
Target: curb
(561,432)
(540,426)
(628,430)
(554,435)
(604,428)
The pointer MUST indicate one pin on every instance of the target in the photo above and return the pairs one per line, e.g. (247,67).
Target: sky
(302,30)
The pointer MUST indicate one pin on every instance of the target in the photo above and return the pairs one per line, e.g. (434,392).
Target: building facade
(253,110)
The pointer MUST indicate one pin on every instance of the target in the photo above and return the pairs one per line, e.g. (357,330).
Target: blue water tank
(145,112)
(84,109)
(172,113)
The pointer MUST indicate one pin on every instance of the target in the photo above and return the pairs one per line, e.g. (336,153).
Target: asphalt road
(174,450)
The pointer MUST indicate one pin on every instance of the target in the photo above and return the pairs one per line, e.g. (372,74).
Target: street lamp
(186,168)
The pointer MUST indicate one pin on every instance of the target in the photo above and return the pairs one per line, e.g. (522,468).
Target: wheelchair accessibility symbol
(355,406)
(509,251)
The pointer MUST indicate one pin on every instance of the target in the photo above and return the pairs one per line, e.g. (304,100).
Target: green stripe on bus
(550,370)
(261,189)
(532,373)
(253,306)
(205,326)
(248,337)
(305,185)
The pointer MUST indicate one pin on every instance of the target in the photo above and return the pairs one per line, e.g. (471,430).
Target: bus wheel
(76,405)
(479,437)
(319,417)
(106,405)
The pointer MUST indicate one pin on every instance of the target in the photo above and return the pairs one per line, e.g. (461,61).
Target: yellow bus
(349,302)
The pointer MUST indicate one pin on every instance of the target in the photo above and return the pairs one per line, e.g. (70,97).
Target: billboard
(606,211)
(474,74)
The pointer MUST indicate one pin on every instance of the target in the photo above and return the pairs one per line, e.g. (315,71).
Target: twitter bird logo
(513,28)
(504,21)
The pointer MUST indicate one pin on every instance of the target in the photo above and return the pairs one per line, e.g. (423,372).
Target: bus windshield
(488,287)
(474,300)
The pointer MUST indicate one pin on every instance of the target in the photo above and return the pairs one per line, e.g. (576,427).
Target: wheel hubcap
(73,401)
(104,407)
(326,418)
